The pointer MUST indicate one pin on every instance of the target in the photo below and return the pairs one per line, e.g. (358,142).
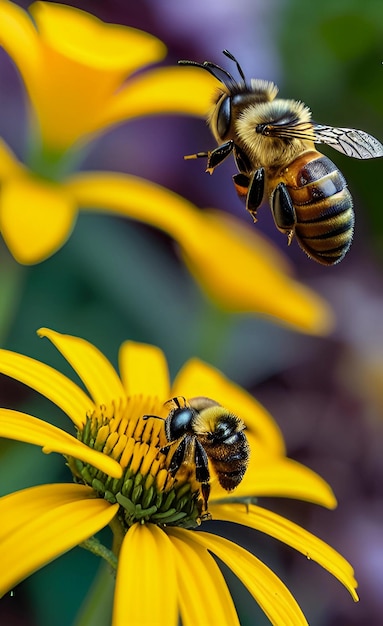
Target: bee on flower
(126,476)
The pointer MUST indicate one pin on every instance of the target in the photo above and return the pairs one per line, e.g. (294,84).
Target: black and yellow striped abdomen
(324,222)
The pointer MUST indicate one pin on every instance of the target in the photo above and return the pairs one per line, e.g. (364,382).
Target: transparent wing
(351,142)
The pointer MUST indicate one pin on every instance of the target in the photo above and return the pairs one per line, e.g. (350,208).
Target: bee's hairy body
(247,113)
(220,434)
(324,217)
(273,143)
(200,431)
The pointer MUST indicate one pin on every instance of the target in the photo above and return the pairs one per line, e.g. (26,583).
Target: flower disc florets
(146,492)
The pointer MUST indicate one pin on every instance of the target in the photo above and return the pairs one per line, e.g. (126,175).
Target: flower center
(146,492)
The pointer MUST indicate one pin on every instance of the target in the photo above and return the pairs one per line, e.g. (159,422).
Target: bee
(272,141)
(200,431)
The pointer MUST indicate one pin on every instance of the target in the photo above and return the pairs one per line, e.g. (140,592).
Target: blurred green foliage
(332,54)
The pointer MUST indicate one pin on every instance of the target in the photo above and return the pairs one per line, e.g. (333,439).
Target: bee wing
(349,141)
(199,403)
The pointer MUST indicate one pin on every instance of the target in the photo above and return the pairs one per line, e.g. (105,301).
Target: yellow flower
(122,479)
(80,75)
(74,67)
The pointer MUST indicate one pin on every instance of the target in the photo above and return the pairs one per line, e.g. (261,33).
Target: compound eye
(224,117)
(180,422)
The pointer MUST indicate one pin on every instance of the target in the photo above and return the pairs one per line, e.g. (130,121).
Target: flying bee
(200,431)
(272,141)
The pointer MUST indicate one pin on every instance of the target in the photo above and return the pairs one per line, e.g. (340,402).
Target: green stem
(93,545)
(51,164)
(98,605)
(118,535)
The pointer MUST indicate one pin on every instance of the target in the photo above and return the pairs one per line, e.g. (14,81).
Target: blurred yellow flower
(74,68)
(122,479)
(80,75)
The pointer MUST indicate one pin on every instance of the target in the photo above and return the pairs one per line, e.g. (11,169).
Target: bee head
(233,95)
(178,422)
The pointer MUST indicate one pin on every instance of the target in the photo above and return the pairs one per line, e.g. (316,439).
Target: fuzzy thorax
(270,151)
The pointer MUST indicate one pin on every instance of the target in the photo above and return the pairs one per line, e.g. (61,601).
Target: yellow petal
(174,90)
(251,276)
(83,63)
(146,579)
(197,378)
(18,37)
(293,535)
(24,427)
(81,36)
(49,382)
(244,273)
(268,590)
(94,369)
(36,217)
(136,198)
(51,531)
(262,455)
(285,478)
(144,370)
(31,501)
(203,594)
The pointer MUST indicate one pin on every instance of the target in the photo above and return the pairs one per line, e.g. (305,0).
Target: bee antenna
(157,417)
(230,56)
(215,70)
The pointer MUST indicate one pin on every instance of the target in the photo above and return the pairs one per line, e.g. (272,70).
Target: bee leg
(255,193)
(242,161)
(177,458)
(251,189)
(178,402)
(202,473)
(241,184)
(156,417)
(197,155)
(205,488)
(216,156)
(283,211)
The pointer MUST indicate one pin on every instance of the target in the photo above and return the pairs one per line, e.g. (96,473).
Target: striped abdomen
(323,206)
